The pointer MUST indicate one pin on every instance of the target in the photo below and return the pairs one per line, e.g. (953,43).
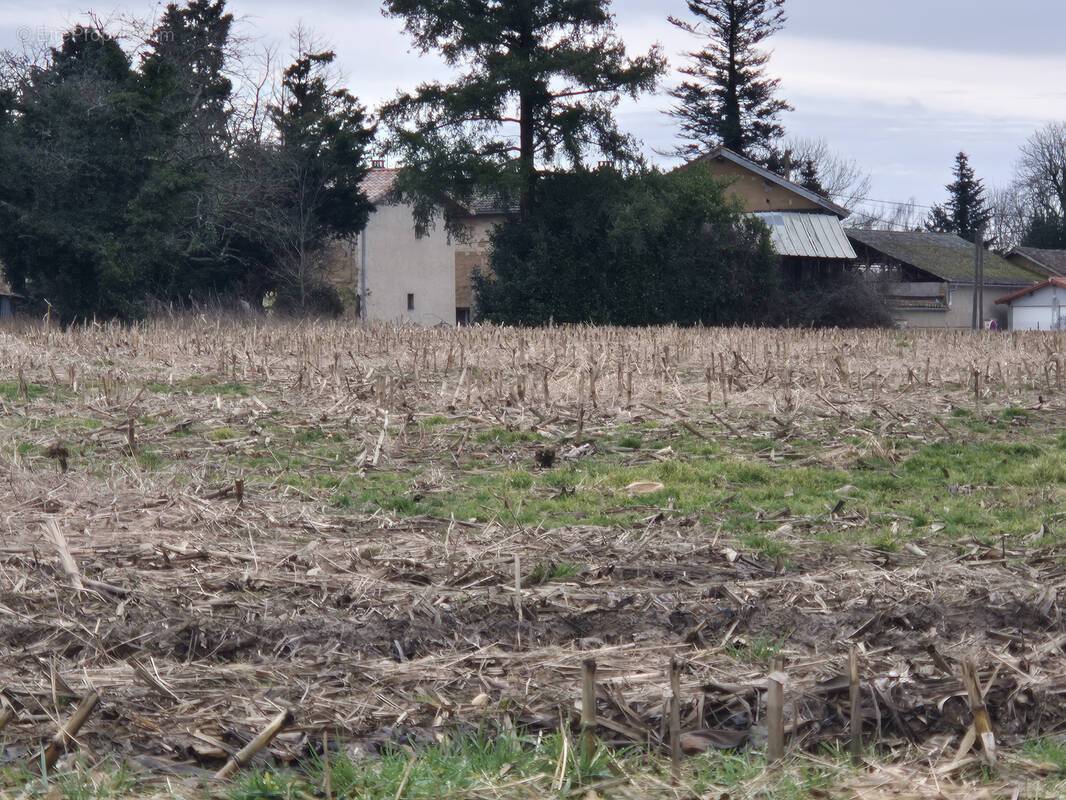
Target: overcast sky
(900,86)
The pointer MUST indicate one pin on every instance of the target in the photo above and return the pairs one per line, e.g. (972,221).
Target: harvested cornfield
(386,535)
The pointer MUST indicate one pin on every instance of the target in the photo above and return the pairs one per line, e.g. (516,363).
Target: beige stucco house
(391,273)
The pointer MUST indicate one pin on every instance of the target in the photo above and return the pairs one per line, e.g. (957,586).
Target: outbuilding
(806,229)
(1037,308)
(927,278)
(1049,263)
(8,301)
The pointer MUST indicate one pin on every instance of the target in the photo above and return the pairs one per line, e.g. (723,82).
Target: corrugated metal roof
(807,235)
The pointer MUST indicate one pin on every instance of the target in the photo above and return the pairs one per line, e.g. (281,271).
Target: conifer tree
(539,82)
(1046,230)
(192,40)
(80,149)
(966,212)
(318,163)
(728,100)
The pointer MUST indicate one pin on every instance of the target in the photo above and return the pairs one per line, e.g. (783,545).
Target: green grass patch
(464,764)
(108,780)
(982,487)
(759,650)
(549,572)
(222,434)
(200,385)
(310,435)
(151,460)
(11,390)
(1050,751)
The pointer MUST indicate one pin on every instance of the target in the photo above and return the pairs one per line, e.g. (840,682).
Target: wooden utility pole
(979,280)
(981,276)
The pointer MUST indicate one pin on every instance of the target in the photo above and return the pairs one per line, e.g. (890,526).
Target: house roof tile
(1052,260)
(377,183)
(1059,282)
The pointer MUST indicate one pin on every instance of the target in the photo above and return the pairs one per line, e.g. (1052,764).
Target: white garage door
(1035,318)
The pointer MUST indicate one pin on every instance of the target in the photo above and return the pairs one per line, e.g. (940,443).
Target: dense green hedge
(641,249)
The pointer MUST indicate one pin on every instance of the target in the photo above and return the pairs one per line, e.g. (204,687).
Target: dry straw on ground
(200,601)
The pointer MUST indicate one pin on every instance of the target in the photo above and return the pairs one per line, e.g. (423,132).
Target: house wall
(1040,311)
(435,268)
(917,288)
(399,263)
(755,193)
(959,314)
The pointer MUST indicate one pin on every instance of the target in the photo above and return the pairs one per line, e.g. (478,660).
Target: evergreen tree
(729,101)
(86,132)
(966,212)
(124,185)
(810,180)
(192,41)
(552,69)
(188,202)
(1046,230)
(318,163)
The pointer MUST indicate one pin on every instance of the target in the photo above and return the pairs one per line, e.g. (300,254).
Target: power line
(893,203)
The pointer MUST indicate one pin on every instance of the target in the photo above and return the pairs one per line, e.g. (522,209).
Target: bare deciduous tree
(1041,171)
(889,216)
(842,179)
(1012,211)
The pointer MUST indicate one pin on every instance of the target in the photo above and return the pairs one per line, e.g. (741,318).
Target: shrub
(844,301)
(639,249)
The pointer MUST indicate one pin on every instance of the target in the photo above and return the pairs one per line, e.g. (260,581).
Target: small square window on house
(410,302)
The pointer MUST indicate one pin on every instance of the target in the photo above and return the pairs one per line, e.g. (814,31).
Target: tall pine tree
(539,82)
(181,212)
(192,40)
(966,212)
(729,100)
